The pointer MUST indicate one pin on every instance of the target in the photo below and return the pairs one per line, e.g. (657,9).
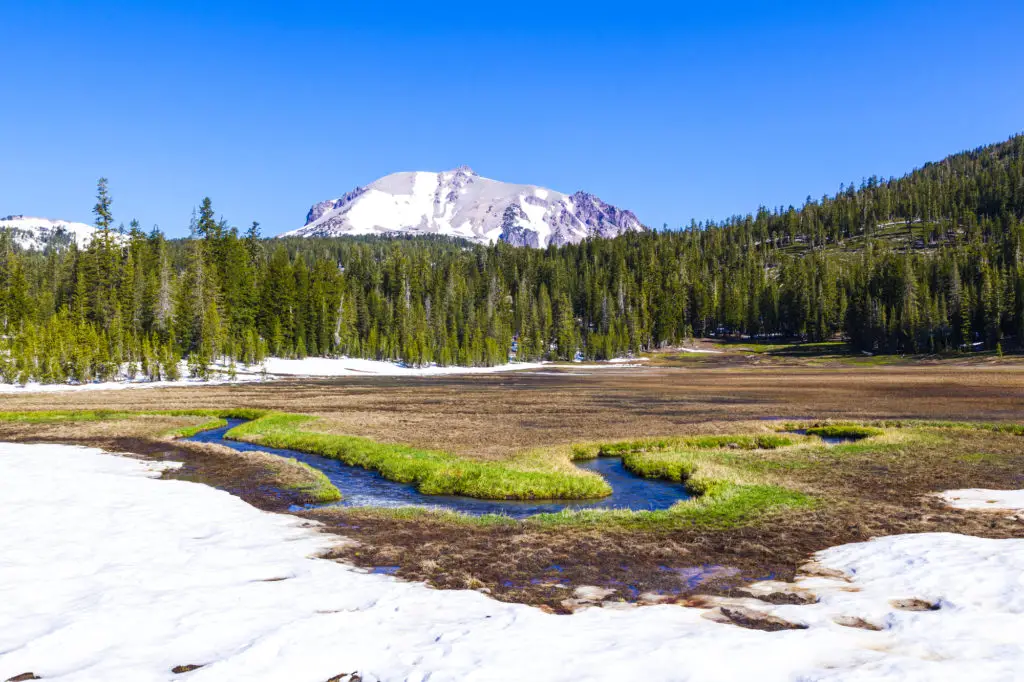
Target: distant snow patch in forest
(218,376)
(311,367)
(333,367)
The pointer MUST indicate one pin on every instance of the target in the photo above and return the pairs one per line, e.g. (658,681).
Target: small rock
(855,622)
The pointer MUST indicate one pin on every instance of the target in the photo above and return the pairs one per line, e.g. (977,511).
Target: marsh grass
(726,506)
(433,472)
(189,431)
(51,416)
(310,484)
(734,478)
(723,505)
(760,441)
(852,431)
(731,484)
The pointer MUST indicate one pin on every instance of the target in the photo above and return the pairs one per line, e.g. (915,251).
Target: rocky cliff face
(463,204)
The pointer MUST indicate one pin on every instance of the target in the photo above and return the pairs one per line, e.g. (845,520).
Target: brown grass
(492,416)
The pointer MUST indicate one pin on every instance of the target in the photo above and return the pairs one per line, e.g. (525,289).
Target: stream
(364,488)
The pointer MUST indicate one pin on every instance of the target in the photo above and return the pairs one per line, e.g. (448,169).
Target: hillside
(943,203)
(36,233)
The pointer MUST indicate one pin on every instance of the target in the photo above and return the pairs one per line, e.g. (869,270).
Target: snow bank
(276,367)
(107,574)
(981,498)
(218,377)
(333,367)
(33,387)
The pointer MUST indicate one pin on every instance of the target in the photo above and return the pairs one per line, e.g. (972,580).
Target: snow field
(107,574)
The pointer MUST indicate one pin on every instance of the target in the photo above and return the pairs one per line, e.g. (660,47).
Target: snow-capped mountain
(35,233)
(461,203)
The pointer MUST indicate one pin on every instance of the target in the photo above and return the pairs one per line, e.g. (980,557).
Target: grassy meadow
(764,497)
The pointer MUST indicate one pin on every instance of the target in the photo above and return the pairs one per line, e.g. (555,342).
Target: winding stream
(363,488)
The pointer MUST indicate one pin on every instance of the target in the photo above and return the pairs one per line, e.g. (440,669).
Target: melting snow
(277,367)
(107,574)
(330,367)
(981,498)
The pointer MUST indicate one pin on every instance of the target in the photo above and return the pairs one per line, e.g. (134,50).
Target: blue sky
(674,110)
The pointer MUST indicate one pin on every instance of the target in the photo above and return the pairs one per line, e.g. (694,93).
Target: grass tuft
(852,431)
(317,490)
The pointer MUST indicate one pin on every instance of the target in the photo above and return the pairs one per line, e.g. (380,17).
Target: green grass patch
(319,490)
(432,472)
(189,431)
(764,441)
(726,505)
(53,416)
(852,431)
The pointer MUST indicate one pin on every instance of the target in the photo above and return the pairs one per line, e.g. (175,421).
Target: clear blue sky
(674,110)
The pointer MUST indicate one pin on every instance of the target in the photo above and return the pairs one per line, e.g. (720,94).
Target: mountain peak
(461,203)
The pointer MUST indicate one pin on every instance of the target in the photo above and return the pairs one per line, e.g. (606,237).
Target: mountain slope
(463,204)
(35,233)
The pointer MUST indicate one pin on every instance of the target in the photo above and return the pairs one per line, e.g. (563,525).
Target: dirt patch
(915,605)
(179,669)
(751,619)
(856,622)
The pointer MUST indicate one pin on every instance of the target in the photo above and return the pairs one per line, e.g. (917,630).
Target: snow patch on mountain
(460,203)
(36,233)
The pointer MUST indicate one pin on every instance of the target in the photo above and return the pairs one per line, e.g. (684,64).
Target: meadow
(764,498)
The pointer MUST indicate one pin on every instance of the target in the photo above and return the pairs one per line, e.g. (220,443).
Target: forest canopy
(927,263)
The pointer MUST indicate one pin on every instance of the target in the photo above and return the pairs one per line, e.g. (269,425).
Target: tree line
(926,263)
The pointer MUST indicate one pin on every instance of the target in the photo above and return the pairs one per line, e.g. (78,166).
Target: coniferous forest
(928,263)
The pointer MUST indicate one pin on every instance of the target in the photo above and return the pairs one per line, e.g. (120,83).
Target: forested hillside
(930,262)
